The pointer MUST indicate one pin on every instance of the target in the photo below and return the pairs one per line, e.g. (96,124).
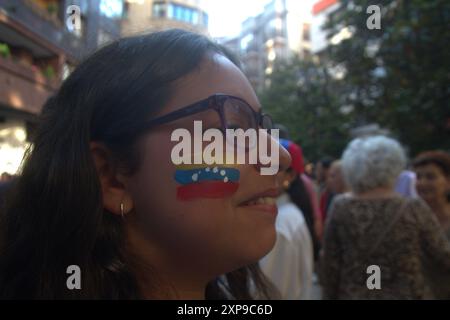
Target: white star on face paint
(222,172)
(225,179)
(215,170)
(195,177)
(207,169)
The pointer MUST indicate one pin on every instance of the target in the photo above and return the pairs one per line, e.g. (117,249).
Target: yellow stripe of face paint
(204,165)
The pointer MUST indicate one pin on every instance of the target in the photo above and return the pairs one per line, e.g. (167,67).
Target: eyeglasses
(234,113)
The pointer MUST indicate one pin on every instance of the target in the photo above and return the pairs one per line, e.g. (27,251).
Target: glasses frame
(215,102)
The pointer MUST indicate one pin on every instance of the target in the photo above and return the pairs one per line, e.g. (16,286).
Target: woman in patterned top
(373,225)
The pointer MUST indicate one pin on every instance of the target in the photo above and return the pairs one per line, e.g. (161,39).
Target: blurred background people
(290,264)
(325,195)
(304,192)
(433,184)
(373,225)
(406,184)
(336,182)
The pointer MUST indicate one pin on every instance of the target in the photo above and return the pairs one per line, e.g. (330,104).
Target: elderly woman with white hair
(375,240)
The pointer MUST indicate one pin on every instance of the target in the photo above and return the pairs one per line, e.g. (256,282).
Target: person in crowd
(99,192)
(325,195)
(433,184)
(309,170)
(336,182)
(310,208)
(376,241)
(406,184)
(290,264)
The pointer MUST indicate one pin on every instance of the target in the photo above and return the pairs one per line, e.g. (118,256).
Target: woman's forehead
(215,74)
(430,167)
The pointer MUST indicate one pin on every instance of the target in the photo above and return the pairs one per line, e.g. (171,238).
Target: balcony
(37,24)
(23,87)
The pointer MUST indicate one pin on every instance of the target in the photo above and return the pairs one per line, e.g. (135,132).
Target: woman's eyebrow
(254,103)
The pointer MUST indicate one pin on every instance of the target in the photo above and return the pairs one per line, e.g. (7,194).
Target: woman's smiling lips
(263,201)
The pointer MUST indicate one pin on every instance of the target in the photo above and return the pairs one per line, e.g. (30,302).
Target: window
(187,15)
(159,10)
(170,11)
(195,17)
(111,8)
(205,19)
(182,13)
(178,12)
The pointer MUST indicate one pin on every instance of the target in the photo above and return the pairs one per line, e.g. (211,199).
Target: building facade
(282,29)
(141,16)
(37,51)
(321,10)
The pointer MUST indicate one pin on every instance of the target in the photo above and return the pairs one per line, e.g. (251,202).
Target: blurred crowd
(372,209)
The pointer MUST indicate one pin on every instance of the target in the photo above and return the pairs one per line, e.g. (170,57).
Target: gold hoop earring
(286,184)
(122,210)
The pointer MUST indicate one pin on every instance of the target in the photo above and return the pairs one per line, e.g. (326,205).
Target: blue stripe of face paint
(198,175)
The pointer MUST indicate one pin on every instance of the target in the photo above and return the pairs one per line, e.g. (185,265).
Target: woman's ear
(116,198)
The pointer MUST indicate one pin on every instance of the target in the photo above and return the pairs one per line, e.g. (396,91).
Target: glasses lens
(239,115)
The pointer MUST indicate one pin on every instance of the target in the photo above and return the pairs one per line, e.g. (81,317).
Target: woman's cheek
(158,203)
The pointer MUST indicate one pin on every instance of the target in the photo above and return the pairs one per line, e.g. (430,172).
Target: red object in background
(206,189)
(322,5)
(296,153)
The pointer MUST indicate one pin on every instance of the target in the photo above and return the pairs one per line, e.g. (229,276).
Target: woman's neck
(159,276)
(173,289)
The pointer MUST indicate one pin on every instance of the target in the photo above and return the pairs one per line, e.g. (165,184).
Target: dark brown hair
(439,158)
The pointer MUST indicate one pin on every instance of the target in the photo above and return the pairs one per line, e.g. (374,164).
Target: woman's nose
(279,159)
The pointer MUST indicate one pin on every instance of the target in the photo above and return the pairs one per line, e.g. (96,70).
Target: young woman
(99,189)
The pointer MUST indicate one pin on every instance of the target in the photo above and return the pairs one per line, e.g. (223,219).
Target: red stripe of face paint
(206,189)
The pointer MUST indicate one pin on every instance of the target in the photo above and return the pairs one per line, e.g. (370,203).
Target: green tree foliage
(302,97)
(397,76)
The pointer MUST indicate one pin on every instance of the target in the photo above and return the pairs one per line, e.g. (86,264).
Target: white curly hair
(372,162)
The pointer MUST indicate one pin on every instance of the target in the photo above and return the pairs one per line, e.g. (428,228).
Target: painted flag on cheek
(206,182)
